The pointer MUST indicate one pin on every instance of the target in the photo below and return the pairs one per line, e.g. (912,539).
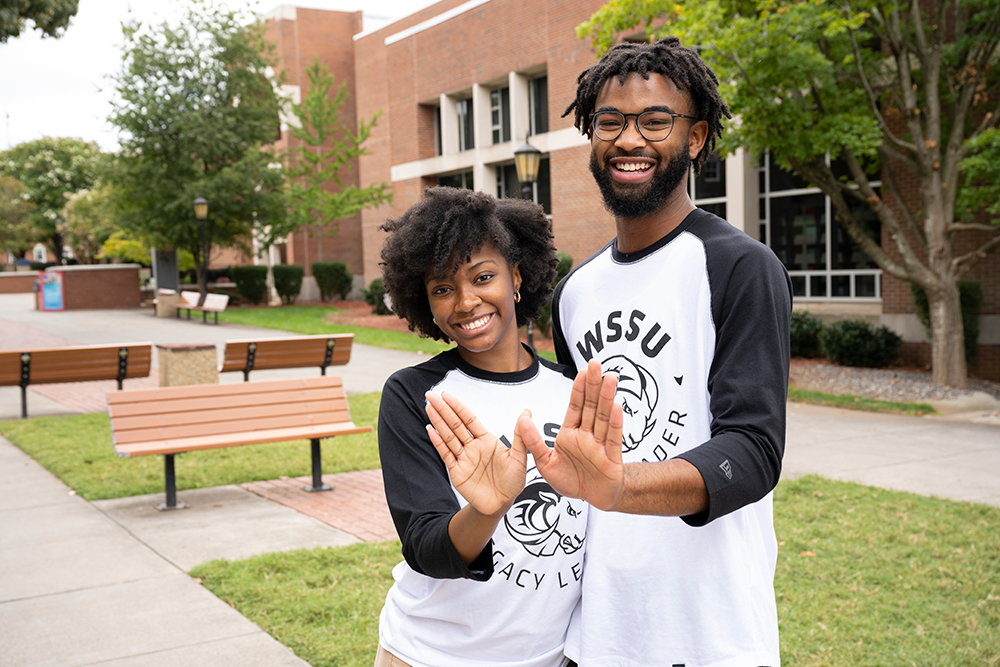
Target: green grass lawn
(308,320)
(865,577)
(77,449)
(850,402)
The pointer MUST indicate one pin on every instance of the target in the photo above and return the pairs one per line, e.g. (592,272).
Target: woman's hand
(487,474)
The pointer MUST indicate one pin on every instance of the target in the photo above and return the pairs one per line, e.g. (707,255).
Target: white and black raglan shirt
(512,606)
(697,328)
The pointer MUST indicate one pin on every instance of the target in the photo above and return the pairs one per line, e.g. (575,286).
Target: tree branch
(965,263)
(970,227)
(889,181)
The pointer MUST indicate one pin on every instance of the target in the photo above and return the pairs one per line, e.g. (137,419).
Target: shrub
(857,343)
(544,320)
(805,334)
(970,296)
(288,281)
(251,282)
(332,278)
(374,297)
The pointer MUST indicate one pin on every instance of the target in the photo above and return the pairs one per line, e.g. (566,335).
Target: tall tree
(893,90)
(317,193)
(195,108)
(17,234)
(53,169)
(89,223)
(49,16)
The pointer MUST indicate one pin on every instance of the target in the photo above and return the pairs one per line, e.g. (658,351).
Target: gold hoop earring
(517,296)
(434,320)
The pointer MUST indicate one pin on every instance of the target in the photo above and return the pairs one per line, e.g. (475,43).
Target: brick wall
(19,282)
(329,37)
(98,287)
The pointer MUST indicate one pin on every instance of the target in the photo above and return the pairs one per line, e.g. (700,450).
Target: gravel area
(905,386)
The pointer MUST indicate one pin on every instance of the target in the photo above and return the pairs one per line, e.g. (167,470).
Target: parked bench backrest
(77,363)
(189,299)
(297,352)
(148,421)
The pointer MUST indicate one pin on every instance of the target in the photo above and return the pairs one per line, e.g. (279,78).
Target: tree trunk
(948,336)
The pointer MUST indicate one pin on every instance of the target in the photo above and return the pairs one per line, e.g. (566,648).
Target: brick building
(461,85)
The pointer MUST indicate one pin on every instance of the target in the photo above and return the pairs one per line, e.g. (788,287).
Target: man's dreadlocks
(681,65)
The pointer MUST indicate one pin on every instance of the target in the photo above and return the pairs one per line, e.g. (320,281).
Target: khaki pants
(385,659)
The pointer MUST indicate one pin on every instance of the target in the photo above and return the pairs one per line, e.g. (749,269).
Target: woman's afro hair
(681,65)
(440,232)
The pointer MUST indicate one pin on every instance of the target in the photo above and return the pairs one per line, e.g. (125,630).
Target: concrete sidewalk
(104,582)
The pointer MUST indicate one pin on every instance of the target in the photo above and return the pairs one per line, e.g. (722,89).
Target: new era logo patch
(726,468)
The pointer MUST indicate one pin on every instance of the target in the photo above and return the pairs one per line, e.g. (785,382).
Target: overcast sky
(59,87)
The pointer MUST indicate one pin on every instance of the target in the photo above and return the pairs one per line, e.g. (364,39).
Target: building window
(708,189)
(465,137)
(541,192)
(500,114)
(538,105)
(798,224)
(437,131)
(460,180)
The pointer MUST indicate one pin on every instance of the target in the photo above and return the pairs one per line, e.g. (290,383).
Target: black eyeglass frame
(673,117)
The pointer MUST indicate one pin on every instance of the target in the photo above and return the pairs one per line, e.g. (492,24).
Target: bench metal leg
(168,469)
(317,466)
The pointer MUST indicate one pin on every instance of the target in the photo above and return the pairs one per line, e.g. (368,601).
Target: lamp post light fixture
(201,212)
(527,160)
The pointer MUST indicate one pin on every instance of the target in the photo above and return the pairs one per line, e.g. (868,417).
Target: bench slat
(206,390)
(77,363)
(125,423)
(238,428)
(298,352)
(256,438)
(210,403)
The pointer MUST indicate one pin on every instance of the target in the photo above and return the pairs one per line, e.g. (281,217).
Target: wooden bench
(77,363)
(298,352)
(173,420)
(214,303)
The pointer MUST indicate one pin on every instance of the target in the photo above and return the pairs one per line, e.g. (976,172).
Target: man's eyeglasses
(652,125)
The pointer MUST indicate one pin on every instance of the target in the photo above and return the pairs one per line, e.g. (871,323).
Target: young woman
(493,556)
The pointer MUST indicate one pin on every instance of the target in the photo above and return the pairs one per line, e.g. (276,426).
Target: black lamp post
(201,212)
(527,159)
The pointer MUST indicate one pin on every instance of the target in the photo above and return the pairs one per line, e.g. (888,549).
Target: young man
(693,317)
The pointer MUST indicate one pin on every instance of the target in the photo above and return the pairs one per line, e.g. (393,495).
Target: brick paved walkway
(356,505)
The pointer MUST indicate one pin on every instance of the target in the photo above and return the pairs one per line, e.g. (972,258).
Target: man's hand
(487,474)
(587,459)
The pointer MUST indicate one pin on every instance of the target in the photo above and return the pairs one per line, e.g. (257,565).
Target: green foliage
(970,296)
(50,16)
(375,297)
(78,450)
(327,146)
(544,320)
(857,343)
(17,234)
(251,282)
(805,334)
(90,223)
(332,278)
(196,108)
(288,281)
(53,169)
(980,186)
(125,248)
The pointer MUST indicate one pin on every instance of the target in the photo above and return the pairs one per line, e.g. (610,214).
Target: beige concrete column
(187,363)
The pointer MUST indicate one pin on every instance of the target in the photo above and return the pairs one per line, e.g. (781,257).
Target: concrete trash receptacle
(187,363)
(166,302)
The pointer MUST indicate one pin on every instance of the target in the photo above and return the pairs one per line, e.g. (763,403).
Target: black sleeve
(748,380)
(417,487)
(563,355)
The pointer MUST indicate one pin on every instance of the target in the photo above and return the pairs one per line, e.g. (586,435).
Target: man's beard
(626,200)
